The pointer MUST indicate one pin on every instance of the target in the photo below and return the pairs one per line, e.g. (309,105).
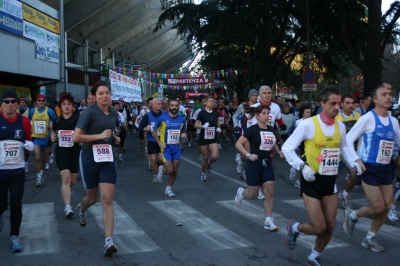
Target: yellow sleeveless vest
(40,124)
(312,147)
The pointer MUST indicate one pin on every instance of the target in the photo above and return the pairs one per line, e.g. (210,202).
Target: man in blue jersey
(147,125)
(377,133)
(172,128)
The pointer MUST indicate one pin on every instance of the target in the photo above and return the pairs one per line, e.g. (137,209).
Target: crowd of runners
(316,141)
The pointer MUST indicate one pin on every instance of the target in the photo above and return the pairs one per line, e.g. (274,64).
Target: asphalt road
(200,226)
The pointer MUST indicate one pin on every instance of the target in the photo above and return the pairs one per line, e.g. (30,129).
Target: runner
(67,153)
(171,127)
(259,169)
(147,125)
(15,136)
(97,163)
(365,102)
(377,133)
(348,117)
(41,116)
(191,131)
(223,115)
(24,110)
(318,190)
(208,122)
(203,101)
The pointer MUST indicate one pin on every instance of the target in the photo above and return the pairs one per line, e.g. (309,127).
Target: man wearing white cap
(191,131)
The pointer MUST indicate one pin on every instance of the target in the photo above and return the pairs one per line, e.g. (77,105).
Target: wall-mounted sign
(39,18)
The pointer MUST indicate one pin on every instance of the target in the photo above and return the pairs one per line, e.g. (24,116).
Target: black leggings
(15,184)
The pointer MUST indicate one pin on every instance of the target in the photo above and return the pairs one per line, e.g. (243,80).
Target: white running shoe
(219,146)
(154,181)
(160,174)
(270,225)
(238,163)
(238,197)
(51,158)
(68,211)
(297,183)
(169,192)
(392,215)
(149,167)
(203,177)
(39,181)
(109,248)
(120,158)
(260,194)
(293,173)
(47,167)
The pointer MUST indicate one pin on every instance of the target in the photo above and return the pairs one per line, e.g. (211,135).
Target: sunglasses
(9,101)
(40,100)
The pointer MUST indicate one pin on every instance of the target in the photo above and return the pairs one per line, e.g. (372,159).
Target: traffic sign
(309,87)
(309,76)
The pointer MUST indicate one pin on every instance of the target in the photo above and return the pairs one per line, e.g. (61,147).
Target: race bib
(10,152)
(40,127)
(209,133)
(329,161)
(221,120)
(385,151)
(173,136)
(65,138)
(267,140)
(102,153)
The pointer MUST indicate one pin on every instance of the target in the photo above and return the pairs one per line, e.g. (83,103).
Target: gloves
(28,145)
(130,123)
(308,173)
(283,127)
(206,125)
(355,167)
(218,129)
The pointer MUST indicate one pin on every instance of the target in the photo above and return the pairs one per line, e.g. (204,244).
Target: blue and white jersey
(376,136)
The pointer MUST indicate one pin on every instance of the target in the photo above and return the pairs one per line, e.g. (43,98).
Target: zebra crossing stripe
(128,236)
(39,229)
(210,233)
(363,223)
(256,214)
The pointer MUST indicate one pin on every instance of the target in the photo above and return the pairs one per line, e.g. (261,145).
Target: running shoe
(68,211)
(200,158)
(203,177)
(243,176)
(26,168)
(209,168)
(82,219)
(169,192)
(149,167)
(47,167)
(314,262)
(345,200)
(297,183)
(155,180)
(219,146)
(293,173)
(291,236)
(238,197)
(109,248)
(270,226)
(16,246)
(392,215)
(372,244)
(72,191)
(260,194)
(1,223)
(120,158)
(160,174)
(348,224)
(238,163)
(39,181)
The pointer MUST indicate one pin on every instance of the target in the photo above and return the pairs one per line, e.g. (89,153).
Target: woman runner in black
(259,169)
(67,152)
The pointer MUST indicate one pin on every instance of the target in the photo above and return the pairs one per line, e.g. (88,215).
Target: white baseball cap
(191,101)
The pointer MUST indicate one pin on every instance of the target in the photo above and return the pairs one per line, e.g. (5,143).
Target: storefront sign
(47,53)
(22,92)
(10,23)
(34,32)
(11,7)
(36,17)
(189,81)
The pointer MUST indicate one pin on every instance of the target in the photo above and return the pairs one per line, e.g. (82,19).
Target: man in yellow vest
(41,117)
(324,142)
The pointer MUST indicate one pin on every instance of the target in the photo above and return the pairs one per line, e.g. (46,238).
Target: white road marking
(256,214)
(128,236)
(39,229)
(363,223)
(241,183)
(210,233)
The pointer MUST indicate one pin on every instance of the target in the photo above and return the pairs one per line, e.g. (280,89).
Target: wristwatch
(248,155)
(302,166)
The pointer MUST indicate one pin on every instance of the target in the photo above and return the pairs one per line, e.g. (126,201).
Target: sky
(386,5)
